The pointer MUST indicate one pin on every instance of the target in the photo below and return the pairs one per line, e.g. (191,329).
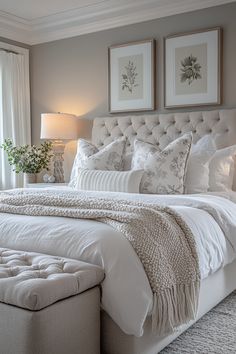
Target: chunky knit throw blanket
(160,237)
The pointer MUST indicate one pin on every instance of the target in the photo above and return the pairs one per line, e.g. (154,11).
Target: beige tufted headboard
(161,129)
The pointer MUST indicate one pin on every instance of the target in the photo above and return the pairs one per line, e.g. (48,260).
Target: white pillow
(88,156)
(221,169)
(164,171)
(197,175)
(112,181)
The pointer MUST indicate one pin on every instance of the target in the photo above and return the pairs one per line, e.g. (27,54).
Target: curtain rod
(8,51)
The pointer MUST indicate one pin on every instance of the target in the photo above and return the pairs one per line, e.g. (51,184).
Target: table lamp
(58,127)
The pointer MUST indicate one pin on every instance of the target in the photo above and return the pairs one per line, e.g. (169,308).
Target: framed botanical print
(193,68)
(132,76)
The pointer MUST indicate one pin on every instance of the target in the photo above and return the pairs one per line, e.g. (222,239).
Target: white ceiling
(34,9)
(38,21)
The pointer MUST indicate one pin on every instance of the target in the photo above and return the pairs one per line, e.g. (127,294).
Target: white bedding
(126,294)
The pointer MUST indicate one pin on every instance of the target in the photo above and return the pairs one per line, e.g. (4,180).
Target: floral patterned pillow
(164,171)
(89,157)
(142,151)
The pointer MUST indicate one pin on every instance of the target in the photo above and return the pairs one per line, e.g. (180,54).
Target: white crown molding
(93,18)
(15,28)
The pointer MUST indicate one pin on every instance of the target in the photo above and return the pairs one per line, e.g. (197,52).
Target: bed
(126,325)
(160,129)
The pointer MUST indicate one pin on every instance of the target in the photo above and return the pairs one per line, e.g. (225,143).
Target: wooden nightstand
(46,185)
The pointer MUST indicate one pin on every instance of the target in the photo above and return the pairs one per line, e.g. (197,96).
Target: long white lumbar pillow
(112,181)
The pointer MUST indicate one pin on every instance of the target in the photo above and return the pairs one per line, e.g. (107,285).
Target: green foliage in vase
(129,77)
(191,70)
(26,158)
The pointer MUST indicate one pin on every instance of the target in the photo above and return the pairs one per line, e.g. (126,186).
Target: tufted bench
(48,305)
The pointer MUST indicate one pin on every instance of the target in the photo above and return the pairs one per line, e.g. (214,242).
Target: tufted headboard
(161,129)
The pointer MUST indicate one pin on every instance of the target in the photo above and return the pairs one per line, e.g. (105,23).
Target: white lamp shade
(59,126)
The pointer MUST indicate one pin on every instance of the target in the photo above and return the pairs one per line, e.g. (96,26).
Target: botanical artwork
(191,69)
(131,77)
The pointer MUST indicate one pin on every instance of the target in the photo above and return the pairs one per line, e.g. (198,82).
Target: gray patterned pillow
(142,152)
(88,156)
(164,171)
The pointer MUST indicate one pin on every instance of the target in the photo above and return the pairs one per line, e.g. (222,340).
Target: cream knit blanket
(160,237)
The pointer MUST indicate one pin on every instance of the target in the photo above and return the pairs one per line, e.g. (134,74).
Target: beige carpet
(214,333)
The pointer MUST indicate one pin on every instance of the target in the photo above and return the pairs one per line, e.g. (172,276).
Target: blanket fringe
(174,307)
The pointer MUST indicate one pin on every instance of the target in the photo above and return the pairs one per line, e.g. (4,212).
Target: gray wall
(71,75)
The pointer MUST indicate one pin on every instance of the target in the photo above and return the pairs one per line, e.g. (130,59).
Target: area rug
(214,333)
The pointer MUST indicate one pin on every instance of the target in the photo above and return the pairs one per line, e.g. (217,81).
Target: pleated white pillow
(109,181)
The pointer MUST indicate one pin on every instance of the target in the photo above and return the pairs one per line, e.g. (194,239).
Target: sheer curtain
(14,111)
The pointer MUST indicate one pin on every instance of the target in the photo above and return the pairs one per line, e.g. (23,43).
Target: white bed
(161,129)
(126,293)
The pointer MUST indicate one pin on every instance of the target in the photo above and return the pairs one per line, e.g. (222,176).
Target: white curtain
(14,111)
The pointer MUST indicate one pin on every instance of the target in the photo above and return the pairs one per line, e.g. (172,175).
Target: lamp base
(58,148)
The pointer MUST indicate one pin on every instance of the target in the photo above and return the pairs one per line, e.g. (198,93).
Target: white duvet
(126,293)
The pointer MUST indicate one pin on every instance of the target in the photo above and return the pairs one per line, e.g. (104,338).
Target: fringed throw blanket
(160,237)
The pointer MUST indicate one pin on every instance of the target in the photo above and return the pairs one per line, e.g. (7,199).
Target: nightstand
(46,185)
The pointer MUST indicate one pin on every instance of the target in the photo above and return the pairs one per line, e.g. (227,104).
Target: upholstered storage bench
(48,305)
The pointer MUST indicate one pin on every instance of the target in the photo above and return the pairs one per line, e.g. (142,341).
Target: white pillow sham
(197,175)
(110,181)
(88,156)
(221,169)
(164,171)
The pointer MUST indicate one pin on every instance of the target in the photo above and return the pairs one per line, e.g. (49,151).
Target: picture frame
(192,68)
(131,71)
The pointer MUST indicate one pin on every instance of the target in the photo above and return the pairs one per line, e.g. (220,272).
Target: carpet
(214,333)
